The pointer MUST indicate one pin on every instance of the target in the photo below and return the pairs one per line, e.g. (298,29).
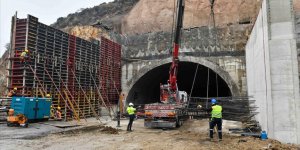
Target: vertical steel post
(12,49)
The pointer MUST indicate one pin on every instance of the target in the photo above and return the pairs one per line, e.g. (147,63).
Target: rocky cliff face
(109,14)
(88,32)
(3,65)
(143,16)
(157,15)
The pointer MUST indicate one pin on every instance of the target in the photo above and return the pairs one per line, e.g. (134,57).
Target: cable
(193,82)
(208,70)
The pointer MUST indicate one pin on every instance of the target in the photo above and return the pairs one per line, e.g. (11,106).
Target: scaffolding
(78,74)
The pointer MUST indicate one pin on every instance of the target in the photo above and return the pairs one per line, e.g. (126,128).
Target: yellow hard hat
(15,88)
(26,50)
(58,108)
(48,95)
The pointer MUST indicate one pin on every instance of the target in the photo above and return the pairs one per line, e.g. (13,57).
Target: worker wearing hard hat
(24,55)
(12,92)
(131,113)
(58,113)
(216,119)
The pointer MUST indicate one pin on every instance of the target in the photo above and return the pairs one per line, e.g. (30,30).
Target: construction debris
(193,135)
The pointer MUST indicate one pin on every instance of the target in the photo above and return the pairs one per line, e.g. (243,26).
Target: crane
(169,92)
(170,112)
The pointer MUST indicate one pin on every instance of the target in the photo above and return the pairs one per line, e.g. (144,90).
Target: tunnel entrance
(147,88)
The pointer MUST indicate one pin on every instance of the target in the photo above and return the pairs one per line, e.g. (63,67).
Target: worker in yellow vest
(24,56)
(216,119)
(131,113)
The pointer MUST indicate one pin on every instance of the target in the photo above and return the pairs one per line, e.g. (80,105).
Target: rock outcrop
(3,73)
(109,14)
(157,15)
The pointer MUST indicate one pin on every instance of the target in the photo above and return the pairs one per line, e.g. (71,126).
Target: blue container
(264,135)
(33,108)
(44,105)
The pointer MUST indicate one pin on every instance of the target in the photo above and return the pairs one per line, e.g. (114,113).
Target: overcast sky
(46,10)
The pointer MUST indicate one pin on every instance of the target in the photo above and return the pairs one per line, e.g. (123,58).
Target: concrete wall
(297,29)
(272,71)
(228,52)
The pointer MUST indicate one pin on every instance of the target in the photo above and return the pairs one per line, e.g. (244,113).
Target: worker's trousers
(131,118)
(212,124)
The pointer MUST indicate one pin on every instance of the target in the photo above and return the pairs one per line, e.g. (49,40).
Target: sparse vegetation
(105,13)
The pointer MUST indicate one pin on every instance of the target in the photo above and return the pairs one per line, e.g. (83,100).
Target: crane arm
(175,60)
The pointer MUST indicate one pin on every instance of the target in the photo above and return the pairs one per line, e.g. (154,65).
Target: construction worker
(58,113)
(24,56)
(48,96)
(52,112)
(216,119)
(131,113)
(12,92)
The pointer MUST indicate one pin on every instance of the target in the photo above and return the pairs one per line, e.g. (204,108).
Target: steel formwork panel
(60,54)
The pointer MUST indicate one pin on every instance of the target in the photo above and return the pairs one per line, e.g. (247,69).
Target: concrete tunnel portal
(147,88)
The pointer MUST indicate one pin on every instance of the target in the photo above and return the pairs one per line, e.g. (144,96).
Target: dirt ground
(193,135)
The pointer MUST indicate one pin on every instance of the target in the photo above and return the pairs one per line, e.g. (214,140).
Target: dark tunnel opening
(147,88)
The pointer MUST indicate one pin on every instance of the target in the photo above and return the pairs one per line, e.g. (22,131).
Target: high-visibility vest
(216,111)
(23,54)
(130,110)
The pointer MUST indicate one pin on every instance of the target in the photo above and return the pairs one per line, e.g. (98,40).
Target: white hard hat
(130,104)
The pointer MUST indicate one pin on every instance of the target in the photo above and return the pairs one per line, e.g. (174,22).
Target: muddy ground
(191,136)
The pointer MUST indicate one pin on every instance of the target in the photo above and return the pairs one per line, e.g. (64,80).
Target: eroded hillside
(157,15)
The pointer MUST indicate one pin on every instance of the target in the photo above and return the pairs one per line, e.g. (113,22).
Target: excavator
(169,112)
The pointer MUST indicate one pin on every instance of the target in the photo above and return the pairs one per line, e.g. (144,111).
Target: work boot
(220,140)
(211,139)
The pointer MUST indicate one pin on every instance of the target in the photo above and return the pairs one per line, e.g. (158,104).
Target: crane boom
(174,66)
(169,92)
(169,113)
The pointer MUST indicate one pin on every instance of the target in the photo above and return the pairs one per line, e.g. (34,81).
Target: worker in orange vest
(58,113)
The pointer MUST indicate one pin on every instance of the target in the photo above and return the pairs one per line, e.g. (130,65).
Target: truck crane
(169,112)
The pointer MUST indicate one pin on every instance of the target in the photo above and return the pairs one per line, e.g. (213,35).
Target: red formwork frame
(110,72)
(19,45)
(71,63)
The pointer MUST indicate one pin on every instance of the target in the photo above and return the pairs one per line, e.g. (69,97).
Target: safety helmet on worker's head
(15,88)
(58,108)
(48,95)
(26,50)
(213,101)
(130,104)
